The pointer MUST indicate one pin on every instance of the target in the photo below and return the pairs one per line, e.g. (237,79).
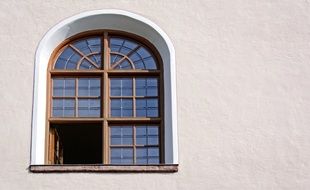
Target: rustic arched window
(105,101)
(104,94)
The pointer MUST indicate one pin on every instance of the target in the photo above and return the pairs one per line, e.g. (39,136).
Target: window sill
(165,168)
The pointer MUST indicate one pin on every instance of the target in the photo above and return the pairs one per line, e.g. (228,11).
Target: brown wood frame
(105,73)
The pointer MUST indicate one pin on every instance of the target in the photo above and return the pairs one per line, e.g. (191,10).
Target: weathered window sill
(166,168)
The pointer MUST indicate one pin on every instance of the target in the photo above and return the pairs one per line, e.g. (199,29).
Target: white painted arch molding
(104,19)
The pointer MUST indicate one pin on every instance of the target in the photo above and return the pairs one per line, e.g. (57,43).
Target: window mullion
(105,98)
(76,97)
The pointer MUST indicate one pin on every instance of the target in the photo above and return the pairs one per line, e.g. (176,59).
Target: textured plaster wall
(243,87)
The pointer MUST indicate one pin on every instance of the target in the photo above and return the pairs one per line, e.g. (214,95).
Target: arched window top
(129,54)
(86,54)
(80,54)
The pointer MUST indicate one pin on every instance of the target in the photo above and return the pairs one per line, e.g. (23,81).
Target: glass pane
(152,135)
(63,108)
(143,52)
(85,65)
(124,65)
(121,87)
(141,135)
(141,156)
(89,87)
(70,58)
(147,135)
(88,46)
(67,57)
(147,107)
(89,107)
(146,87)
(153,155)
(147,155)
(139,56)
(121,108)
(121,156)
(149,63)
(63,87)
(121,135)
(96,58)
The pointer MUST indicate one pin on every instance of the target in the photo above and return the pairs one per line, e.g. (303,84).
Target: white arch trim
(104,19)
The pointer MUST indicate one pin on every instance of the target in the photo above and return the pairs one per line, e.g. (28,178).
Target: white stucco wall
(243,93)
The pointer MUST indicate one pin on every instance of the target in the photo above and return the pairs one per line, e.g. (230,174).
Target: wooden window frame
(105,74)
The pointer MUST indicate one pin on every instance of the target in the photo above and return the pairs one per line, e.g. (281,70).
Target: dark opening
(80,144)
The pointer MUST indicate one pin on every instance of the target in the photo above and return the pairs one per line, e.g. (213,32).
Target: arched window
(105,77)
(105,101)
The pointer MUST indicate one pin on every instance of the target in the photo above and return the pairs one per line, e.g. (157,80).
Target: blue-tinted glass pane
(89,87)
(72,61)
(141,156)
(96,59)
(153,155)
(121,87)
(147,107)
(140,56)
(121,156)
(135,57)
(150,63)
(147,155)
(153,152)
(64,57)
(85,65)
(124,50)
(121,107)
(141,135)
(63,108)
(125,64)
(94,44)
(115,58)
(88,46)
(153,160)
(122,46)
(146,87)
(116,41)
(89,107)
(152,135)
(63,87)
(147,135)
(143,52)
(121,135)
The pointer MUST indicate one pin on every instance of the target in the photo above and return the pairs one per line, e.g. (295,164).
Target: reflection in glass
(121,156)
(63,87)
(121,135)
(89,87)
(79,52)
(139,56)
(121,87)
(147,135)
(63,108)
(146,87)
(147,107)
(89,107)
(121,107)
(147,155)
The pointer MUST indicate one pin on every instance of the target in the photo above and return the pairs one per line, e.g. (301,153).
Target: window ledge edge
(159,168)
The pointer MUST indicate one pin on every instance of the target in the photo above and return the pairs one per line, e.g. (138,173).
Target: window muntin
(111,96)
(134,144)
(76,97)
(81,54)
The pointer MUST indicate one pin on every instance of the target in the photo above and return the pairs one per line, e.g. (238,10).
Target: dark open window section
(77,144)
